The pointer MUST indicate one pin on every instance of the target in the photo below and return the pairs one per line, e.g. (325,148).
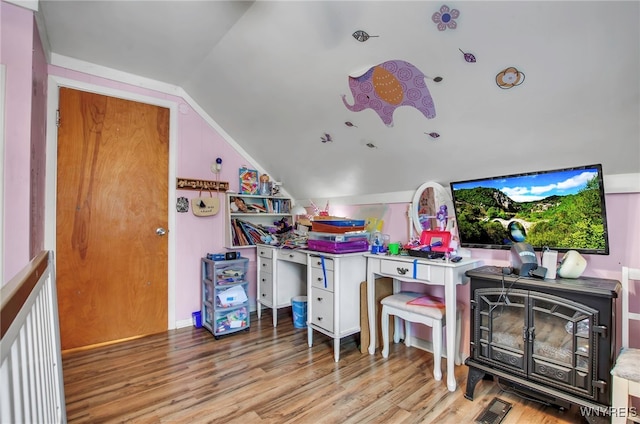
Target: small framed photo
(248,181)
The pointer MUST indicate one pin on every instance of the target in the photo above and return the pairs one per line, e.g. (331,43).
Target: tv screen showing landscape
(561,210)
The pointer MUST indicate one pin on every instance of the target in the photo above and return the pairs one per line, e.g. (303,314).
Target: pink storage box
(338,247)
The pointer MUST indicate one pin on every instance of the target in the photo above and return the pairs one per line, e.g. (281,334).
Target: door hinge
(599,384)
(58,118)
(600,329)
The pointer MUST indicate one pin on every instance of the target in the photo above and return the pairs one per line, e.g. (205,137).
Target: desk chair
(626,372)
(431,314)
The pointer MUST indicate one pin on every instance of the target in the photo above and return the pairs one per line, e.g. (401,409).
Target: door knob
(161,231)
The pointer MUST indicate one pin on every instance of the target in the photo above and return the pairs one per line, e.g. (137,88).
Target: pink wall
(38,146)
(16,29)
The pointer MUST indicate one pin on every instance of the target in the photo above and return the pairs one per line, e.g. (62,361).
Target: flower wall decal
(509,78)
(445,18)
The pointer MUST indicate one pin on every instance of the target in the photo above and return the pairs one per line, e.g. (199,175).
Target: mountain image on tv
(562,210)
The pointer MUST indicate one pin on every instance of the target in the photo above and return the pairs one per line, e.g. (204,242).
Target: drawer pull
(402,271)
(319,318)
(291,256)
(264,280)
(264,295)
(319,299)
(319,278)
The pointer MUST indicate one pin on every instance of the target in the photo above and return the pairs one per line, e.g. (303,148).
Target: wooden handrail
(14,294)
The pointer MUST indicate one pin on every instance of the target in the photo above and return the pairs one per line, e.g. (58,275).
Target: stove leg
(473,377)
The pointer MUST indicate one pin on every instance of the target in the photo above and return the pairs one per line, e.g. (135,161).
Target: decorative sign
(389,85)
(193,184)
(182,204)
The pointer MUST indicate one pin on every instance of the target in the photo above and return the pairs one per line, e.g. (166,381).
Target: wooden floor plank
(269,375)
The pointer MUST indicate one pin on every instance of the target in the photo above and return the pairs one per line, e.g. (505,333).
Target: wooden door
(111,198)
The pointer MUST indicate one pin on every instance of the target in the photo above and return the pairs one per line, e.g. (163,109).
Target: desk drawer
(316,262)
(266,266)
(401,269)
(318,278)
(266,289)
(292,256)
(322,308)
(265,252)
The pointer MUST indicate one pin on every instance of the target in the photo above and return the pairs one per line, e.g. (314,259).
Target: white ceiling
(271,74)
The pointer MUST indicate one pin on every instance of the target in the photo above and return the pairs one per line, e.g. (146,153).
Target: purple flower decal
(445,18)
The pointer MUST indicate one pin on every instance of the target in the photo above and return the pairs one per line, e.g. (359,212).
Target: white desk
(424,271)
(333,287)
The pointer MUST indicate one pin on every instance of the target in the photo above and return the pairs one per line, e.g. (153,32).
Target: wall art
(509,78)
(387,86)
(446,18)
(362,36)
(248,181)
(468,57)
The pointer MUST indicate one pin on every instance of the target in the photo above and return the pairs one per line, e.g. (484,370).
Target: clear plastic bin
(336,237)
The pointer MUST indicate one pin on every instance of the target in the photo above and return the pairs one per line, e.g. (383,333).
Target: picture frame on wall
(248,181)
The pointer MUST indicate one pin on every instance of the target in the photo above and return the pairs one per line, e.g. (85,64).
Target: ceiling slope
(273,73)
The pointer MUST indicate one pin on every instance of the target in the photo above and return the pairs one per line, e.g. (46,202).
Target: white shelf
(244,229)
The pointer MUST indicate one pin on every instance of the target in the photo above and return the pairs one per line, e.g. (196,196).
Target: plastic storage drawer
(338,247)
(337,237)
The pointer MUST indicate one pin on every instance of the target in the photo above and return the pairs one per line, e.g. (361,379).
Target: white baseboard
(184,323)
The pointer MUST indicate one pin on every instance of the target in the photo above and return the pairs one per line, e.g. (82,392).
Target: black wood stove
(554,339)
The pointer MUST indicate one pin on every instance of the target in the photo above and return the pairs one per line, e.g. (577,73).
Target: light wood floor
(270,375)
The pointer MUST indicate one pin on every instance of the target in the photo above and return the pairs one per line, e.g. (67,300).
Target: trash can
(197,319)
(299,307)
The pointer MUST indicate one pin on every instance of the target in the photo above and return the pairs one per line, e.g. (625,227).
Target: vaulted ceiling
(272,73)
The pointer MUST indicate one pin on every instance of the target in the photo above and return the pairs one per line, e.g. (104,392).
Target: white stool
(432,315)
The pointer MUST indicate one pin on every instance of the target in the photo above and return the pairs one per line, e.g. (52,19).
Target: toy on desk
(269,239)
(379,242)
(283,226)
(442,216)
(437,240)
(317,211)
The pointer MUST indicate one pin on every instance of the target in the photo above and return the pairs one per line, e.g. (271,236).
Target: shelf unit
(225,302)
(244,229)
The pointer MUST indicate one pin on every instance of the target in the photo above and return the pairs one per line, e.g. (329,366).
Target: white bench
(432,315)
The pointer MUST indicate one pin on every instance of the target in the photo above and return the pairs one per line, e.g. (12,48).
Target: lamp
(299,210)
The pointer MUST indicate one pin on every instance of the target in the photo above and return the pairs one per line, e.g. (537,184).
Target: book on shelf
(247,233)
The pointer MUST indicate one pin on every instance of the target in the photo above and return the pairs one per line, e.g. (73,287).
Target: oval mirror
(432,208)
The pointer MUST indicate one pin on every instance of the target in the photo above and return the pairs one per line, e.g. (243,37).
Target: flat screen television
(562,210)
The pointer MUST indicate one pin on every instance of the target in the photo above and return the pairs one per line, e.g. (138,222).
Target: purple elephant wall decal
(389,85)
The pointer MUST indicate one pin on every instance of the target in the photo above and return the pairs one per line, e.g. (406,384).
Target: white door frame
(2,117)
(54,84)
